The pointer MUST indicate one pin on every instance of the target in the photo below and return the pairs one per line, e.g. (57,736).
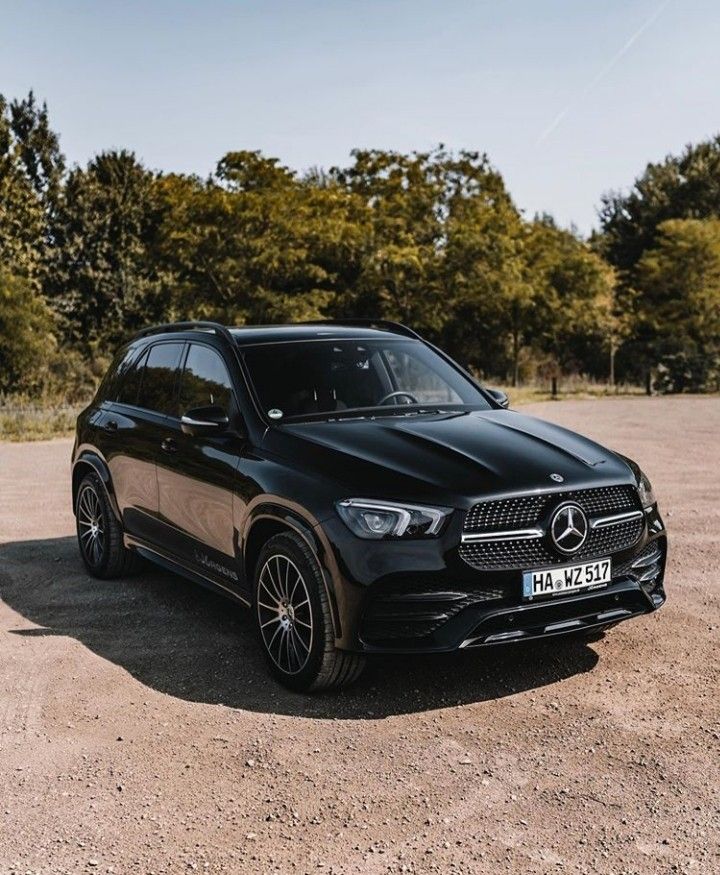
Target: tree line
(88,255)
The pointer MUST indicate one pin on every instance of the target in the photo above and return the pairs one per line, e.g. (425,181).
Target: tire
(99,534)
(293,619)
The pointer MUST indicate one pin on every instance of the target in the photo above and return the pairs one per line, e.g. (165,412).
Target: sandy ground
(139,732)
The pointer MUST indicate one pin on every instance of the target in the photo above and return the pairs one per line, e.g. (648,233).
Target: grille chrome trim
(501,534)
(603,521)
(514,535)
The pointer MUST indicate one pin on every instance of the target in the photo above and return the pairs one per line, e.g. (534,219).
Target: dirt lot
(139,732)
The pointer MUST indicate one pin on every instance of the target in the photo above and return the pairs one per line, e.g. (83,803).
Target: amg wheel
(293,618)
(100,536)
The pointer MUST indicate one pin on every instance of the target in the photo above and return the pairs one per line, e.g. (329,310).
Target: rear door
(133,438)
(196,480)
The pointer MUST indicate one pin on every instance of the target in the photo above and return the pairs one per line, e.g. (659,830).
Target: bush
(688,372)
(27,342)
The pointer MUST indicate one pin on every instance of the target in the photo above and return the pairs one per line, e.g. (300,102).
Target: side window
(110,383)
(128,379)
(157,388)
(205,380)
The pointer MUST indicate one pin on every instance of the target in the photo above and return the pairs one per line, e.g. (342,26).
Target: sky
(569,98)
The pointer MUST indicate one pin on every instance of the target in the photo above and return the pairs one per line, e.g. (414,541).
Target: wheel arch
(270,520)
(93,463)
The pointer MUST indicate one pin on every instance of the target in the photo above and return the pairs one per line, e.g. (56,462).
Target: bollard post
(554,387)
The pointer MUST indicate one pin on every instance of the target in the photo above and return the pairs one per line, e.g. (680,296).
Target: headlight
(645,490)
(382,519)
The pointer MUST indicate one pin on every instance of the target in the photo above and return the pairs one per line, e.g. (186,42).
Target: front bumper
(420,597)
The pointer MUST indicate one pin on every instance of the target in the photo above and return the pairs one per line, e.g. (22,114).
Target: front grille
(528,511)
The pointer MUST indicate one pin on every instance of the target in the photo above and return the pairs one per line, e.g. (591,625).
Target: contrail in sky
(603,72)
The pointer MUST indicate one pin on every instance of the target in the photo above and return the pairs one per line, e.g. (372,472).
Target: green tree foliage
(275,249)
(491,298)
(679,302)
(429,238)
(576,318)
(103,279)
(31,168)
(686,186)
(26,335)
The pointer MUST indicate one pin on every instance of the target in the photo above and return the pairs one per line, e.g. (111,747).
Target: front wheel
(293,618)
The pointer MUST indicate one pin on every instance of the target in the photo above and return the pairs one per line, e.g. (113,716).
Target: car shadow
(187,642)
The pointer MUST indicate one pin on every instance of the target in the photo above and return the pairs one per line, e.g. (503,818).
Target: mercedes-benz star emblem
(558,478)
(569,528)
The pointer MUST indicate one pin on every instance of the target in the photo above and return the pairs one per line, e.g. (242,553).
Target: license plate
(566,578)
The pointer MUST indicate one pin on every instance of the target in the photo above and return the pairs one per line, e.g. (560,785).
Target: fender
(92,461)
(290,517)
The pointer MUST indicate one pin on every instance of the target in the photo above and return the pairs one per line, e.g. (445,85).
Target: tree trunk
(613,350)
(516,357)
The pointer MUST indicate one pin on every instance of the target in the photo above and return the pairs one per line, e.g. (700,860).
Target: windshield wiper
(368,413)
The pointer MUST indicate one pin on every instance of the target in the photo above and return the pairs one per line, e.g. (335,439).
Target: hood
(450,455)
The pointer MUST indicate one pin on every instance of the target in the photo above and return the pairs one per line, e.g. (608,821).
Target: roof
(255,334)
(252,334)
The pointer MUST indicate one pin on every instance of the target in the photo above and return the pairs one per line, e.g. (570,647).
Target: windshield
(310,378)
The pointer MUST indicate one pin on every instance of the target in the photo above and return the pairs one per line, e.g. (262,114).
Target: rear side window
(205,380)
(157,388)
(129,375)
(108,388)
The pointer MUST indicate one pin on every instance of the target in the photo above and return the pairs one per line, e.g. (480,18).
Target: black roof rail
(215,327)
(381,324)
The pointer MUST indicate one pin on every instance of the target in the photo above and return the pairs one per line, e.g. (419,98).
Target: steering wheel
(391,395)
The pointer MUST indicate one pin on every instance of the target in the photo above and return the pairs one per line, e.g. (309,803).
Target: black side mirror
(499,397)
(204,421)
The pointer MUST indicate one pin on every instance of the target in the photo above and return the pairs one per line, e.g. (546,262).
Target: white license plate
(567,578)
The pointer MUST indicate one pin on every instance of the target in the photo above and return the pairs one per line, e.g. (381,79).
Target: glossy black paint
(203,502)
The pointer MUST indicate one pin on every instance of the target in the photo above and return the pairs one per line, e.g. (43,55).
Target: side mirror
(499,397)
(204,421)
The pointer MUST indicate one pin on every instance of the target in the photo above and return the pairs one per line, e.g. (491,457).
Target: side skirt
(169,564)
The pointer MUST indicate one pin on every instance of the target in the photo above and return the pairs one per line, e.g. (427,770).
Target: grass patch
(572,389)
(37,421)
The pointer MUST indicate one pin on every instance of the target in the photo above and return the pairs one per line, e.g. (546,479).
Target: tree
(576,314)
(415,203)
(273,249)
(679,187)
(491,301)
(103,280)
(679,294)
(31,168)
(26,334)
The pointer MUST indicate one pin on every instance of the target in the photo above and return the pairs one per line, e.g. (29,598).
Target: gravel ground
(139,732)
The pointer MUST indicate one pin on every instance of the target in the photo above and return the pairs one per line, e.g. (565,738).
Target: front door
(196,479)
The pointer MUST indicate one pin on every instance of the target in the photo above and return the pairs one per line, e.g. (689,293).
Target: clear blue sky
(568,97)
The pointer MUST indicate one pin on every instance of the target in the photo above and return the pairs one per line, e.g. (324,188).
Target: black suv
(360,492)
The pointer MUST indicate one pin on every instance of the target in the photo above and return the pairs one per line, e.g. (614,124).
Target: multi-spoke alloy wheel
(91,527)
(99,533)
(284,614)
(294,620)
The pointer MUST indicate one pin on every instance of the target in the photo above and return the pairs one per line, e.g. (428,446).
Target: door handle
(110,426)
(169,445)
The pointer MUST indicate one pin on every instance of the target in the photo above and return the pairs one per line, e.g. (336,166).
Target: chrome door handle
(169,445)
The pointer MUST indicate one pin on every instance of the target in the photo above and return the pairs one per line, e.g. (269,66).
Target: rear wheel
(293,618)
(99,534)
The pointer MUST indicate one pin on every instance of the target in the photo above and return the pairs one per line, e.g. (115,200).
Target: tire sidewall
(297,550)
(93,482)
